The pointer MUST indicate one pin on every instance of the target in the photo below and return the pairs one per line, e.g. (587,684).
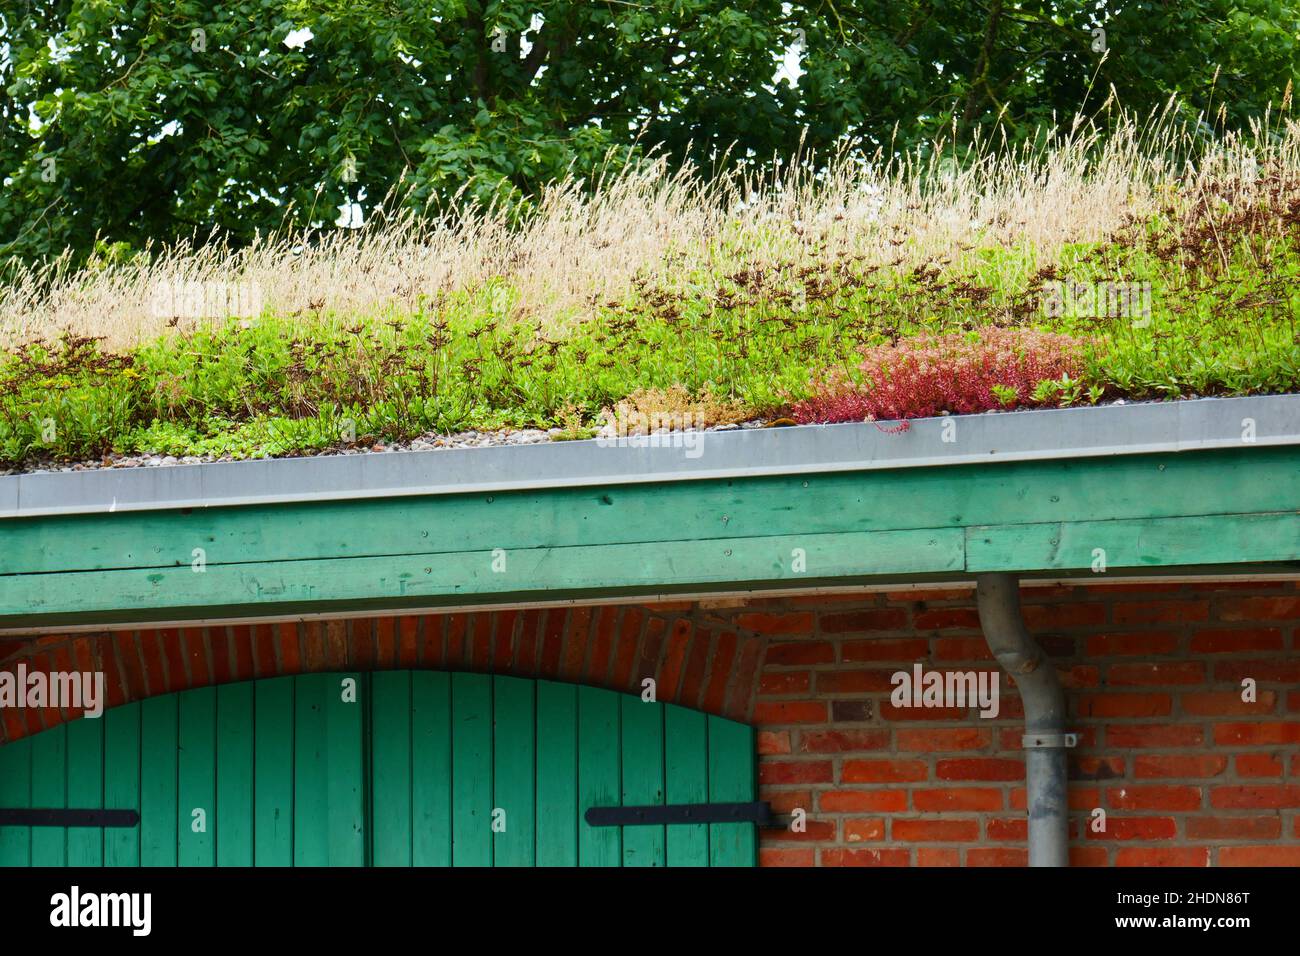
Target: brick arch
(699,665)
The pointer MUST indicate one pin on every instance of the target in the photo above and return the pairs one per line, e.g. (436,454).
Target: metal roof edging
(1144,428)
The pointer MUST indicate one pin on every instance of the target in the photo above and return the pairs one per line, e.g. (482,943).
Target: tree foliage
(139,120)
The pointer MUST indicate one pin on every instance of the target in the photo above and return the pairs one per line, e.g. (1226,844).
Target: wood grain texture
(1191,509)
(414,768)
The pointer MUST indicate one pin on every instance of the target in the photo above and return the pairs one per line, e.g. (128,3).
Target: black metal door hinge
(659,814)
(68,818)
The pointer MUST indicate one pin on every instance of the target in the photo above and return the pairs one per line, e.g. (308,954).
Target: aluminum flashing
(1002,437)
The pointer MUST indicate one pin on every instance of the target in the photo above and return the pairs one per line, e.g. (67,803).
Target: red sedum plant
(945,374)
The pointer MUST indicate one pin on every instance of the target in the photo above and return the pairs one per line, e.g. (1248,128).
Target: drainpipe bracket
(1049,741)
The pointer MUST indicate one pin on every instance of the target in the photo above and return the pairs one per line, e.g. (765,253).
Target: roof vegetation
(1140,265)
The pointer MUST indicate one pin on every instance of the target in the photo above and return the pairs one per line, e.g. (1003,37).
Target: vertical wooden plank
(345,700)
(158,721)
(642,757)
(49,790)
(471,770)
(731,780)
(273,771)
(686,780)
(514,772)
(16,792)
(311,771)
(431,768)
(390,747)
(598,784)
(557,774)
(196,777)
(122,782)
(234,816)
(86,788)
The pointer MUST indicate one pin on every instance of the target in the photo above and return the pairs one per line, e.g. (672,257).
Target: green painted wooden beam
(479,575)
(1143,486)
(1150,542)
(1211,508)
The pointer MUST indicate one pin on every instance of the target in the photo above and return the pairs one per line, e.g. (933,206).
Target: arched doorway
(392,768)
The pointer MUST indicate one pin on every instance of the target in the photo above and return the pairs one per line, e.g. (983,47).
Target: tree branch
(980,75)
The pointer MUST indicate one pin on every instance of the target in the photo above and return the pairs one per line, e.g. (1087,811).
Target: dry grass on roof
(580,247)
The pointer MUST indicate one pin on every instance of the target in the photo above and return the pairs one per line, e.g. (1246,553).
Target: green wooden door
(395,768)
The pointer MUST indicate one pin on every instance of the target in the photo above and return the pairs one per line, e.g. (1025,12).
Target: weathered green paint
(641,736)
(273,768)
(918,523)
(390,756)
(686,780)
(158,804)
(121,781)
(410,770)
(471,770)
(328,771)
(311,773)
(514,771)
(1082,489)
(431,768)
(49,789)
(1151,542)
(598,783)
(731,762)
(470,575)
(557,775)
(235,775)
(16,792)
(85,846)
(196,777)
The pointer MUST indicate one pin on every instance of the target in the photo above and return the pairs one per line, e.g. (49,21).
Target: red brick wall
(1186,773)
(694,662)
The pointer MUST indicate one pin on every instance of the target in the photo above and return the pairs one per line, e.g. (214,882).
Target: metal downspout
(1045,740)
